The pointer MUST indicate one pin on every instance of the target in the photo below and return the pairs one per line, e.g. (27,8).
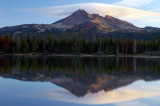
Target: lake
(78,81)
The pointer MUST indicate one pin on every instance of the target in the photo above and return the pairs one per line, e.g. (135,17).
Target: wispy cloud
(133,3)
(154,20)
(125,13)
(155,10)
(131,103)
(102,9)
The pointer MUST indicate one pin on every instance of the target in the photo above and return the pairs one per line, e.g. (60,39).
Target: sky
(139,12)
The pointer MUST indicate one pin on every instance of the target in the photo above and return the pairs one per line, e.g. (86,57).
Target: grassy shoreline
(84,55)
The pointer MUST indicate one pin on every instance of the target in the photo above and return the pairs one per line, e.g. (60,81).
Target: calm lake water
(78,81)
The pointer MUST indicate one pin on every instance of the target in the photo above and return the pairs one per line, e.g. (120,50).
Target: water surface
(77,81)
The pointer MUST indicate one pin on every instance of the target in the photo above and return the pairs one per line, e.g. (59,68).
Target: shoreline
(85,55)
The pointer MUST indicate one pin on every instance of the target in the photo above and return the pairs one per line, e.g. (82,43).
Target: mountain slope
(77,18)
(107,23)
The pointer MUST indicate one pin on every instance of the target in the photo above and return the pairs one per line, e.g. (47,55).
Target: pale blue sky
(16,12)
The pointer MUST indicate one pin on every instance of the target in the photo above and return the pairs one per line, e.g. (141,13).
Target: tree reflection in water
(80,75)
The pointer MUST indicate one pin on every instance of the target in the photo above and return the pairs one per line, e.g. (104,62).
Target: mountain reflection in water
(80,75)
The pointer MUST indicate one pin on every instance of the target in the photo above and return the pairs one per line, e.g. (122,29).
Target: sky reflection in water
(68,87)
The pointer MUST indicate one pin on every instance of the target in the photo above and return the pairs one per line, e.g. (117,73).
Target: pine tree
(35,44)
(24,46)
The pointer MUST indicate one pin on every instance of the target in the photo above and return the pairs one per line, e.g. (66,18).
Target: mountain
(152,29)
(81,17)
(87,21)
(77,18)
(79,21)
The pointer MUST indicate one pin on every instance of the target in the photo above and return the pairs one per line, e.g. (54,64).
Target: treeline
(86,66)
(75,45)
